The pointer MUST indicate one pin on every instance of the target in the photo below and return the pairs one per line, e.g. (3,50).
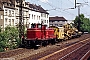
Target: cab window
(39,26)
(33,25)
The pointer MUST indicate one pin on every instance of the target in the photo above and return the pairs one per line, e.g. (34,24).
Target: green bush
(9,38)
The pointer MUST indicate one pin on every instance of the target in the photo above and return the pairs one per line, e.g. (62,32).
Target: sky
(61,8)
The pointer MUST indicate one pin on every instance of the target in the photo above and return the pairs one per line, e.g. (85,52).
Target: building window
(6,21)
(32,16)
(56,24)
(13,22)
(29,15)
(1,16)
(47,15)
(10,22)
(23,4)
(47,21)
(42,22)
(5,4)
(39,17)
(55,21)
(51,24)
(9,12)
(12,13)
(60,25)
(43,15)
(5,12)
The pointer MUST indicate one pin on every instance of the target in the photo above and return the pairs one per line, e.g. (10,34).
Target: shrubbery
(9,39)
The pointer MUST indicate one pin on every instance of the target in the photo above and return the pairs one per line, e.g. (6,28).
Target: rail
(85,57)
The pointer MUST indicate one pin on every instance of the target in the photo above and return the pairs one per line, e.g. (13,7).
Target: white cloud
(45,1)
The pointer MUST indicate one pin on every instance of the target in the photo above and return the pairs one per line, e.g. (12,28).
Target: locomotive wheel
(47,42)
(55,40)
(27,44)
(52,41)
(43,43)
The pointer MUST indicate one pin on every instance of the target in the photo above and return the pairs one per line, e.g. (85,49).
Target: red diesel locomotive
(38,35)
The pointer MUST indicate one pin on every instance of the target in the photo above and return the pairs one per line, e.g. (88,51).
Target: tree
(84,23)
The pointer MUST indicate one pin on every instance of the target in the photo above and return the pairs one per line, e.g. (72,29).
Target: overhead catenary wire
(58,9)
(71,1)
(82,9)
(61,9)
(53,7)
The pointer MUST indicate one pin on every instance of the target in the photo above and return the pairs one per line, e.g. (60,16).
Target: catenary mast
(21,21)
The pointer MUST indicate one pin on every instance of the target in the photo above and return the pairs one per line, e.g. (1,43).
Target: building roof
(8,1)
(34,7)
(42,10)
(11,2)
(57,18)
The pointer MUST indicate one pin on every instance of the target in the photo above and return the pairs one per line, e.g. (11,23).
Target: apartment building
(1,18)
(38,15)
(7,13)
(31,13)
(25,12)
(34,15)
(44,16)
(10,12)
(57,21)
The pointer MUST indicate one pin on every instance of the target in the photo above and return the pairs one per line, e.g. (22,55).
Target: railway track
(73,52)
(31,54)
(86,56)
(78,53)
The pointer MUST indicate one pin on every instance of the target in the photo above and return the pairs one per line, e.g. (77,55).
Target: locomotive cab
(38,34)
(35,32)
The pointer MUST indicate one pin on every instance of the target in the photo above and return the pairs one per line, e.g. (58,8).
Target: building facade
(7,13)
(57,21)
(31,13)
(25,12)
(38,15)
(1,18)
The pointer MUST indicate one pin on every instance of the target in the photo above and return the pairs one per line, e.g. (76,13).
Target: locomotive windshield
(39,26)
(33,25)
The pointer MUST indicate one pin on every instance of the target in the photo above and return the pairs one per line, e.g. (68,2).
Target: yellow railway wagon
(58,32)
(61,33)
(65,32)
